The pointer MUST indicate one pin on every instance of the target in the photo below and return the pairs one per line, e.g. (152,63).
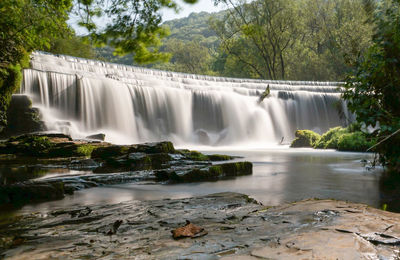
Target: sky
(186,9)
(168,14)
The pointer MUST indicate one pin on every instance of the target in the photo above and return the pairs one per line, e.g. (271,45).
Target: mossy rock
(356,141)
(110,151)
(198,156)
(211,173)
(305,138)
(119,150)
(160,147)
(220,157)
(135,162)
(330,139)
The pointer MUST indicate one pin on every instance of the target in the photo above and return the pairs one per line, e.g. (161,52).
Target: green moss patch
(305,138)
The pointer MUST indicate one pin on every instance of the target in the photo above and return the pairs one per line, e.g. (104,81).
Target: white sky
(186,9)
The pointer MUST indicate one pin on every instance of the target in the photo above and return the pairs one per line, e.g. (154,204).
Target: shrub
(330,139)
(356,141)
(305,138)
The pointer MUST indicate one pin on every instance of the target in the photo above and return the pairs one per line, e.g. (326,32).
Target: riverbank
(106,164)
(235,226)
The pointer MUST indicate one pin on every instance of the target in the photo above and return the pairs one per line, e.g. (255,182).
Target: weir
(132,104)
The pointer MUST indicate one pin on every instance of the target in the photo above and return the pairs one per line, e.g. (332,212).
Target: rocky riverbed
(99,163)
(233,227)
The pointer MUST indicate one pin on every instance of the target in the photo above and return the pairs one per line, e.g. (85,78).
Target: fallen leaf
(189,230)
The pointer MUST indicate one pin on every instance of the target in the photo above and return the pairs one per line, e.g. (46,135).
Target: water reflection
(279,175)
(13,174)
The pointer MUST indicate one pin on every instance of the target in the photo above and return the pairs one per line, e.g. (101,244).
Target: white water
(132,104)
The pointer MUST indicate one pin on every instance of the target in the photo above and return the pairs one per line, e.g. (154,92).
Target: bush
(356,141)
(330,139)
(305,138)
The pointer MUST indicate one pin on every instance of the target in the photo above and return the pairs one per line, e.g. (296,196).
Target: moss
(356,141)
(10,81)
(35,145)
(305,138)
(197,156)
(330,139)
(219,157)
(110,151)
(85,150)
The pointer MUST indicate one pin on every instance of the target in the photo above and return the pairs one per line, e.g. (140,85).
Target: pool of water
(279,175)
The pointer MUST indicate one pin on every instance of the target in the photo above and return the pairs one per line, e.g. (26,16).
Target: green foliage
(356,141)
(343,139)
(24,26)
(85,150)
(330,139)
(372,92)
(74,46)
(132,27)
(189,57)
(303,40)
(305,138)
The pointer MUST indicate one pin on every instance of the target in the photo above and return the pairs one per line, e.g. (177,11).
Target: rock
(22,193)
(255,232)
(305,138)
(203,137)
(114,228)
(100,137)
(189,230)
(209,173)
(22,118)
(197,156)
(85,164)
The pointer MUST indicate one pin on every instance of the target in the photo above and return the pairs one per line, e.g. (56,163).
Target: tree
(258,33)
(372,92)
(132,26)
(189,57)
(298,40)
(27,25)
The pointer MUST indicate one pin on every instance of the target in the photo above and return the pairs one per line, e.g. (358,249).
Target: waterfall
(133,104)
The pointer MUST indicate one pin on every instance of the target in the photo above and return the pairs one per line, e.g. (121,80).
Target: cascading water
(132,104)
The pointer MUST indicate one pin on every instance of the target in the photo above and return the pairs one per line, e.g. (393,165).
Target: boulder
(22,118)
(209,173)
(22,193)
(100,137)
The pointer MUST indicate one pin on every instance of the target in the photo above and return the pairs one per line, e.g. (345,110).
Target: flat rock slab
(238,228)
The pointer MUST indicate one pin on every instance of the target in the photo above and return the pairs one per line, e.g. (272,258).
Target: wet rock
(85,164)
(22,193)
(189,230)
(203,137)
(114,227)
(22,118)
(197,156)
(100,137)
(209,173)
(373,234)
